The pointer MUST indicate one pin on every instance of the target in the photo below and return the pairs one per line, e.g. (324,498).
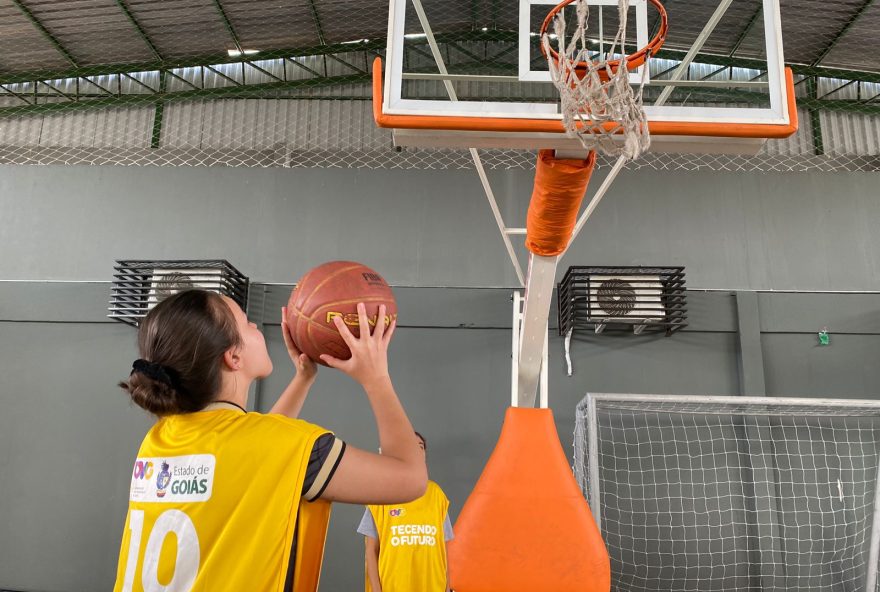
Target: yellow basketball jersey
(214,503)
(412,549)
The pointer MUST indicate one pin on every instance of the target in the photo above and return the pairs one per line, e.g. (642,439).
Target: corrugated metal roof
(93,31)
(182,28)
(22,48)
(97,32)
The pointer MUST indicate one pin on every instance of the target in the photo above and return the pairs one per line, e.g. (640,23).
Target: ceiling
(62,36)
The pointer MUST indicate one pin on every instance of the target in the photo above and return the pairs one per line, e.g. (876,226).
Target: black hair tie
(158,372)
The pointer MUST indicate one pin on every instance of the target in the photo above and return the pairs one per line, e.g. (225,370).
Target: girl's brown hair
(182,342)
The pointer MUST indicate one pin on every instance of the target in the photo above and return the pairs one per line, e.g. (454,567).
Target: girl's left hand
(306,369)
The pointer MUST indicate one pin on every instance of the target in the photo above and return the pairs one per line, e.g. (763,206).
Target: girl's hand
(369,352)
(306,369)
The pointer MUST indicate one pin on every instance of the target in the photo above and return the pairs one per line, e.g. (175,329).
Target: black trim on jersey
(233,404)
(291,565)
(332,472)
(320,452)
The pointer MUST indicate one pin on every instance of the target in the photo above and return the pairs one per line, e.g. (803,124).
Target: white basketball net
(593,110)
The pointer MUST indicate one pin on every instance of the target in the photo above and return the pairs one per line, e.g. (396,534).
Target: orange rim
(516,125)
(633,61)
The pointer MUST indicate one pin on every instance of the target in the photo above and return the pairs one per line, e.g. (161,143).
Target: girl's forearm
(291,401)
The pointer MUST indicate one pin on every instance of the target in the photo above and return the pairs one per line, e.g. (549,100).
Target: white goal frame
(587,449)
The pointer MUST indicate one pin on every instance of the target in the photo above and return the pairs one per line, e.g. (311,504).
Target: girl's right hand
(306,369)
(369,352)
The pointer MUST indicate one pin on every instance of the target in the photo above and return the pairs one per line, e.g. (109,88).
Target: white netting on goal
(719,495)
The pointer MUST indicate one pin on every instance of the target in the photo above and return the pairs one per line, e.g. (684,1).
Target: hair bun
(158,372)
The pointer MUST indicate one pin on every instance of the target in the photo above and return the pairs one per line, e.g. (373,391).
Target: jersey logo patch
(182,479)
(163,480)
(397,512)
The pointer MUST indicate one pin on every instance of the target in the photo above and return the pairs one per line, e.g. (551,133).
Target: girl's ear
(232,359)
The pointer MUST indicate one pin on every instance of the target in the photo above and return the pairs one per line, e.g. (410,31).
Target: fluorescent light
(356,41)
(234,53)
(414,36)
(485,29)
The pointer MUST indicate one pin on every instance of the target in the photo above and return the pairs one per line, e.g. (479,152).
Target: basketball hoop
(598,102)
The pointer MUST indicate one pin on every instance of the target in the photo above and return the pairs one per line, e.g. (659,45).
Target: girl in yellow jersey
(405,544)
(222,499)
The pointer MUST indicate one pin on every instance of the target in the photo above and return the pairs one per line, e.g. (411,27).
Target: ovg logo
(143,469)
(396,512)
(162,480)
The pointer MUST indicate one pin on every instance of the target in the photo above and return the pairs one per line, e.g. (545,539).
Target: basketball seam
(327,279)
(302,282)
(310,322)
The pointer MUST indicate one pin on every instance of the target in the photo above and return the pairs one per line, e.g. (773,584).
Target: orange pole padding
(559,190)
(526,527)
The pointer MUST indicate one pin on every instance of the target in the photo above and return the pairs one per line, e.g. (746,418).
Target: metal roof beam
(344,63)
(416,49)
(377,45)
(140,29)
(229,27)
(107,91)
(714,73)
(466,52)
(304,67)
(42,29)
(317,20)
(233,92)
(264,71)
(158,115)
(504,52)
(15,94)
(666,71)
(58,91)
(135,80)
(746,31)
(222,75)
(815,120)
(841,87)
(264,90)
(171,73)
(846,27)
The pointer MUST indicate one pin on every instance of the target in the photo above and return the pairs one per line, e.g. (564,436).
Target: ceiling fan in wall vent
(633,299)
(139,285)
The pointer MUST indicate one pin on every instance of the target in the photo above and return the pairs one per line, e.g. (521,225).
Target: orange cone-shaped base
(526,526)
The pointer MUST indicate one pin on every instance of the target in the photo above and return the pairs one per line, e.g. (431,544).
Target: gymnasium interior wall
(770,259)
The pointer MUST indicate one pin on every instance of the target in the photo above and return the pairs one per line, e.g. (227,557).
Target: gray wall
(808,231)
(67,435)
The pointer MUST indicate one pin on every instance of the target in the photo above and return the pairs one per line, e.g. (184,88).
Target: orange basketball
(330,290)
